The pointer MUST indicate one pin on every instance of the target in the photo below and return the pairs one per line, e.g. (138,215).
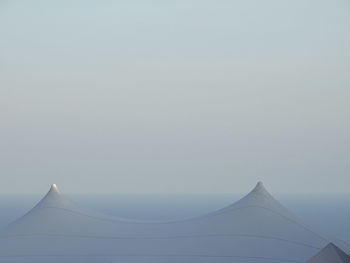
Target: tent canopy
(255,229)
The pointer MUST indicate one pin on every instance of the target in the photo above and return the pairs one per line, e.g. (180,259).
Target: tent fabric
(255,229)
(330,254)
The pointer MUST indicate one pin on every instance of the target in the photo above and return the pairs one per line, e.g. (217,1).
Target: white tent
(330,254)
(256,229)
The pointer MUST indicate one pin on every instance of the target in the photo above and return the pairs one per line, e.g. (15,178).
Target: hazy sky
(189,96)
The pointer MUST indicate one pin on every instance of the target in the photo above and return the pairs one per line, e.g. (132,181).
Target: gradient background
(175,96)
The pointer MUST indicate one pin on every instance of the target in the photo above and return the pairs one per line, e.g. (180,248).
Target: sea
(327,213)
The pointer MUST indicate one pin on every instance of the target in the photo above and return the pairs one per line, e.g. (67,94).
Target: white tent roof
(330,254)
(256,229)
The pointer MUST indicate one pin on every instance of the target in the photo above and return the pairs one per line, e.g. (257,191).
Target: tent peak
(259,184)
(330,253)
(259,188)
(54,188)
(54,198)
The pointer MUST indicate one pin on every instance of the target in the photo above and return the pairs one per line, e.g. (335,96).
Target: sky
(188,96)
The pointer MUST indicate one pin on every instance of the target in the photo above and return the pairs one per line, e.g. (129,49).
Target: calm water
(328,213)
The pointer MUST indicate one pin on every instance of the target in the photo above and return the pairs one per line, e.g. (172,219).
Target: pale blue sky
(175,96)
